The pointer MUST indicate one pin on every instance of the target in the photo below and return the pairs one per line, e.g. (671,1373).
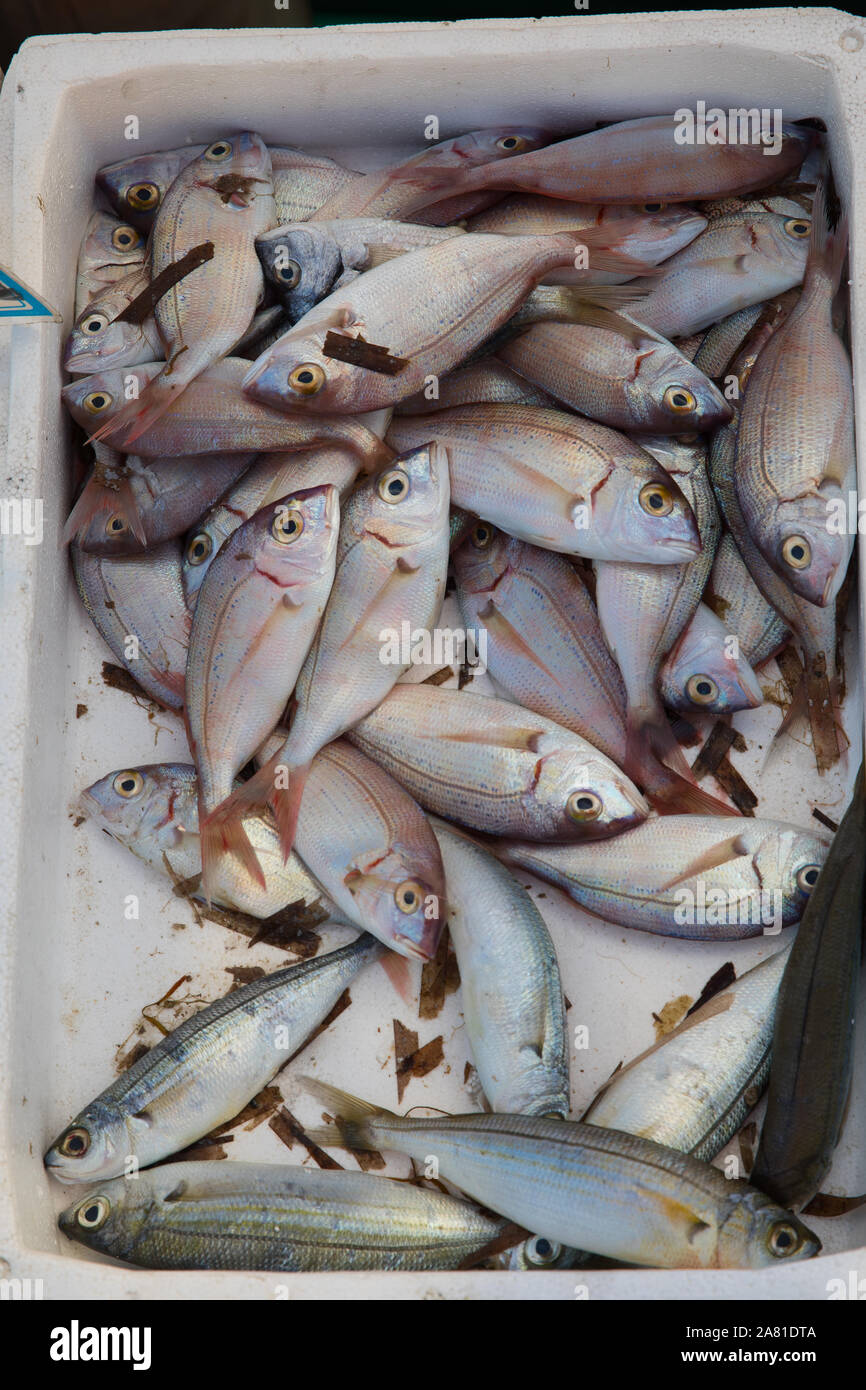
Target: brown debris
(243,975)
(80,710)
(412,1060)
(287,1128)
(724,976)
(288,929)
(143,304)
(440,977)
(671,1015)
(132,1056)
(438,677)
(713,758)
(359,353)
(508,1237)
(826,1205)
(746,1139)
(825,820)
(118,678)
(254,1113)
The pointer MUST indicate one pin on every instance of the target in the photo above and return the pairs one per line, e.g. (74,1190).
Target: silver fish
(110,250)
(484,382)
(98,341)
(735,598)
(136,187)
(705,673)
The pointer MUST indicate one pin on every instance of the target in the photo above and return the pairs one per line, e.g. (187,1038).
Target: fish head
(540,1253)
(757,1233)
(402,504)
(487,146)
(91,400)
(294,539)
(400,891)
(645,505)
(656,230)
(152,806)
(803,549)
(302,260)
(98,342)
(110,242)
(96,1144)
(783,239)
(667,393)
(295,374)
(199,551)
(136,187)
(702,674)
(233,172)
(107,1218)
(482,561)
(580,797)
(788,863)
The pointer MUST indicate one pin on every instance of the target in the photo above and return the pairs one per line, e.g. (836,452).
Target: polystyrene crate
(73,972)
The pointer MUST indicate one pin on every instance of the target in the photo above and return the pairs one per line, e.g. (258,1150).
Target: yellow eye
(409,895)
(482,536)
(652,207)
(679,400)
(128,784)
(512,143)
(307,379)
(199,549)
(584,806)
(116,525)
(797,553)
(289,274)
(701,690)
(394,486)
(808,877)
(783,1240)
(798,227)
(96,402)
(94,323)
(219,150)
(125,238)
(75,1143)
(287,525)
(656,499)
(93,1214)
(144,197)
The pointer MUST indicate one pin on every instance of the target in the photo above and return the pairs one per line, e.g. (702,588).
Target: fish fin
(285,802)
(353,1116)
(828,245)
(95,499)
(378,254)
(654,760)
(137,416)
(226,836)
(673,795)
(721,853)
(397,969)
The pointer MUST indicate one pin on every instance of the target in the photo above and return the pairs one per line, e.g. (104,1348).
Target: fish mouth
(88,805)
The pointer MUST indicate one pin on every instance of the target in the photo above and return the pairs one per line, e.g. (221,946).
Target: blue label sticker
(18,301)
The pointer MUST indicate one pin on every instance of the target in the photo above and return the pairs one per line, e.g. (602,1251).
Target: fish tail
(397,969)
(352,1116)
(226,836)
(96,499)
(672,795)
(828,246)
(285,801)
(137,416)
(654,759)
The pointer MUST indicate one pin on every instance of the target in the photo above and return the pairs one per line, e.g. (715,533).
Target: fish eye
(128,784)
(702,690)
(541,1252)
(797,553)
(93,1214)
(199,549)
(652,207)
(783,1239)
(289,274)
(287,525)
(409,895)
(307,379)
(808,877)
(75,1143)
(656,499)
(94,323)
(679,400)
(511,143)
(798,227)
(394,486)
(96,401)
(584,806)
(116,524)
(125,238)
(482,536)
(144,197)
(220,149)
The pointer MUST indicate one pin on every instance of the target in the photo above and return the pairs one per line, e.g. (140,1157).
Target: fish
(131,504)
(634,161)
(224,198)
(685,876)
(741,259)
(136,187)
(495,767)
(431,308)
(98,341)
(212,416)
(269,1216)
(392,561)
(720,343)
(796,465)
(619,372)
(255,619)
(510,986)
(204,1071)
(694,1088)
(110,250)
(136,604)
(592,1188)
(153,812)
(735,598)
(559,482)
(813,1039)
(304,261)
(304,181)
(485,382)
(705,673)
(369,845)
(273,476)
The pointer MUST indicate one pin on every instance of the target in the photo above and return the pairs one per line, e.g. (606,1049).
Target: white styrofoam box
(74,972)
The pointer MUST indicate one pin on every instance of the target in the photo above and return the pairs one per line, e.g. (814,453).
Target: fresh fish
(431,308)
(98,342)
(724,339)
(704,673)
(510,988)
(110,250)
(795,447)
(591,1188)
(255,619)
(206,1070)
(633,161)
(693,1090)
(686,876)
(813,1041)
(213,1215)
(304,261)
(128,505)
(153,812)
(392,561)
(372,849)
(136,187)
(740,260)
(136,605)
(562,483)
(619,372)
(212,416)
(495,767)
(485,382)
(225,197)
(304,181)
(734,597)
(272,477)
